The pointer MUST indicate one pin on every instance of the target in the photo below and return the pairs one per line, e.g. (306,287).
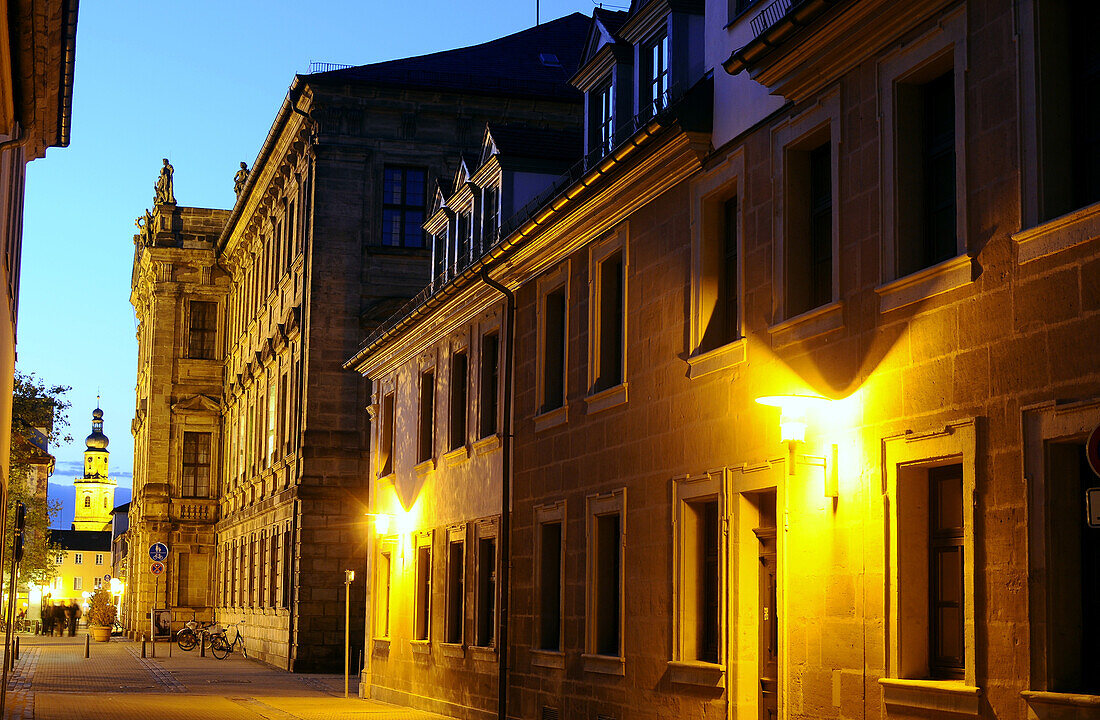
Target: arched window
(104,502)
(87,501)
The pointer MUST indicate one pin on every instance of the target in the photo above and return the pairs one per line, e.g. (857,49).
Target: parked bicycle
(191,633)
(221,645)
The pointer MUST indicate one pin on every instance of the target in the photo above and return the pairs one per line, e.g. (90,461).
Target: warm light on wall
(381,522)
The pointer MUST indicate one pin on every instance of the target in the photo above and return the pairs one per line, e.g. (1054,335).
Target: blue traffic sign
(158,552)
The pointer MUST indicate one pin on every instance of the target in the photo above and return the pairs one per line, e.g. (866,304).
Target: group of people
(57,616)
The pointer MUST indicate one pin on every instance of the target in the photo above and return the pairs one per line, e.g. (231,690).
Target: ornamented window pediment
(196,404)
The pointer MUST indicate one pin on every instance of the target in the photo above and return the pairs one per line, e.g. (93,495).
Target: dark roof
(511,65)
(123,508)
(612,20)
(97,540)
(516,141)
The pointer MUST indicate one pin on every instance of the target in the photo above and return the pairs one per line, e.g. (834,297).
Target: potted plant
(101,615)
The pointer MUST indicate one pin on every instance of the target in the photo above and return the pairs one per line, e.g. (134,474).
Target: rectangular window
(462,243)
(227,575)
(423,600)
(288,569)
(809,224)
(609,344)
(426,437)
(490,381)
(272,419)
(202,329)
(486,591)
(78,583)
(945,573)
(700,577)
(490,217)
(385,447)
(59,559)
(553,350)
(261,571)
(605,119)
(1068,85)
(273,570)
(456,558)
(404,194)
(78,558)
(196,464)
(607,552)
(656,64)
(99,558)
(550,584)
(719,258)
(382,606)
(926,172)
(459,383)
(439,255)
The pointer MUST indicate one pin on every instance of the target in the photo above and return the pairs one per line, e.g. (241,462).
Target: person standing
(72,614)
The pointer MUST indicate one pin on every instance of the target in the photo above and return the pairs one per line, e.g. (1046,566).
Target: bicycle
(189,635)
(221,645)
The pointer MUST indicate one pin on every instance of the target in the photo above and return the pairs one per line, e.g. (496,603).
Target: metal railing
(320,67)
(769,16)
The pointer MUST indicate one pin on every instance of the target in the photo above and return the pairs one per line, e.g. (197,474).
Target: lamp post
(349,577)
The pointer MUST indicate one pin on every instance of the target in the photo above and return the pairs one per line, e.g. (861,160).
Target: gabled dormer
(438,226)
(606,77)
(668,38)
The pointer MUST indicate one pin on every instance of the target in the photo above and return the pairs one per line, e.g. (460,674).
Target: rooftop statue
(145,228)
(164,190)
(240,179)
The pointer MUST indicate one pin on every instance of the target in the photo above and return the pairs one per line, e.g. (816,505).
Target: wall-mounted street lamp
(381,522)
(793,413)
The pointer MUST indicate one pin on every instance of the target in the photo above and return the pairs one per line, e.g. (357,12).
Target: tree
(39,418)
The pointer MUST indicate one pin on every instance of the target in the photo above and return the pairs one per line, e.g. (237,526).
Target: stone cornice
(818,41)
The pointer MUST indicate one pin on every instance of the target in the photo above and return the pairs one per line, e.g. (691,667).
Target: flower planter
(100,633)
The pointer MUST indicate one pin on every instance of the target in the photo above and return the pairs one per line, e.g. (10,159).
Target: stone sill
(381,646)
(420,647)
(548,659)
(456,456)
(946,696)
(552,418)
(425,467)
(697,672)
(487,444)
(483,654)
(604,664)
(606,399)
(926,283)
(720,358)
(1077,700)
(452,650)
(1058,234)
(810,324)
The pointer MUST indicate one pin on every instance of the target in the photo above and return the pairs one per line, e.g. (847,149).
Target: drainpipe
(505,495)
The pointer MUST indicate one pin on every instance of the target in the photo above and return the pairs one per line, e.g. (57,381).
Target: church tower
(95,492)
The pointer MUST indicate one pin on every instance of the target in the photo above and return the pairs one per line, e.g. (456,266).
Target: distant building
(95,490)
(82,563)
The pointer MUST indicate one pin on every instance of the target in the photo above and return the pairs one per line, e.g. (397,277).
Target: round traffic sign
(158,552)
(1092,450)
(107,578)
(157,567)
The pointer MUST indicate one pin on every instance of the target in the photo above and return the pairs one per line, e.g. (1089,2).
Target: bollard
(87,646)
(202,644)
(15,655)
(153,646)
(143,646)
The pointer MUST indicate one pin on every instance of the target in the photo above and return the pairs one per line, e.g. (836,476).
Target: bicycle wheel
(220,647)
(186,639)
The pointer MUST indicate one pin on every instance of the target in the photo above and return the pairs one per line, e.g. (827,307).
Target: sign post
(349,577)
(158,553)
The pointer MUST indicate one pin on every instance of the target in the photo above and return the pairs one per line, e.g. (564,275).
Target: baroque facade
(797,381)
(324,241)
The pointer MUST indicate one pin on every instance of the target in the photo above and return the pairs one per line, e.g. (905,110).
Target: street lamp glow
(792,413)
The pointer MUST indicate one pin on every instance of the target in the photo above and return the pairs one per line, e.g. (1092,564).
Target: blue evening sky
(198,82)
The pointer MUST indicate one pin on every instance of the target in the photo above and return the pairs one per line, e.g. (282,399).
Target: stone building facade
(177,290)
(324,241)
(803,372)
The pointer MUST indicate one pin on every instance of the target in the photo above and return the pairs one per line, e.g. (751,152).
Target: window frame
(208,336)
(458,403)
(425,432)
(944,42)
(456,535)
(484,531)
(184,465)
(597,506)
(687,491)
(558,279)
(598,399)
(483,415)
(905,458)
(403,208)
(549,514)
(422,617)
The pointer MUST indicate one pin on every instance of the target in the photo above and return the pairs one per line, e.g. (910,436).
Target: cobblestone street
(52,680)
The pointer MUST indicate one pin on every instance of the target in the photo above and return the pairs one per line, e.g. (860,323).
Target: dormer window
(605,105)
(655,57)
(462,242)
(439,254)
(490,217)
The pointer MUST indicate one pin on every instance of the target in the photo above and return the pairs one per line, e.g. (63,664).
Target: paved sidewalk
(53,681)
